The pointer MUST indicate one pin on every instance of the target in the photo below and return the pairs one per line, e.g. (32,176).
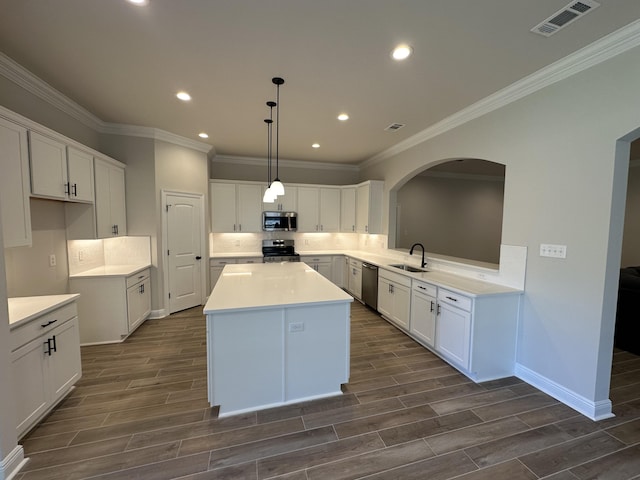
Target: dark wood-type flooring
(140,412)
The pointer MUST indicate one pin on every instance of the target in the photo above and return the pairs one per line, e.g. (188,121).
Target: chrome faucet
(423,263)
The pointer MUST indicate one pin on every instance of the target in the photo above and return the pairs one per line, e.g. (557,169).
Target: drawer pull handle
(452,299)
(48,323)
(431,306)
(421,287)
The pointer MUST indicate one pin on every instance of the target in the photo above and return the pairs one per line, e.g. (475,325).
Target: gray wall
(28,270)
(631,238)
(565,184)
(326,175)
(451,215)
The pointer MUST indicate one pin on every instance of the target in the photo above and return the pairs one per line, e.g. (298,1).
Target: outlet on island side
(296,327)
(52,260)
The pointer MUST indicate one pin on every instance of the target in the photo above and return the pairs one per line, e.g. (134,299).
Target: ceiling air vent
(564,17)
(394,126)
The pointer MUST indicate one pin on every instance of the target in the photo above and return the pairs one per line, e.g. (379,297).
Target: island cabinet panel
(310,332)
(248,370)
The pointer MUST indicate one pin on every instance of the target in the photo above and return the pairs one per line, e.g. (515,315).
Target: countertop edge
(64,299)
(93,274)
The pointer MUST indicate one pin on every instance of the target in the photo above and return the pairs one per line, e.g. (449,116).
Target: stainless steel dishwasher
(370,285)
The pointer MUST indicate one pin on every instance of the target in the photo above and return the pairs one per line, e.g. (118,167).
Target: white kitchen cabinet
(60,172)
(394,297)
(423,312)
(323,264)
(348,209)
(453,340)
(338,270)
(80,175)
(14,185)
(369,207)
(45,363)
(284,203)
(111,307)
(48,158)
(110,205)
(138,299)
(354,281)
(318,209)
(235,207)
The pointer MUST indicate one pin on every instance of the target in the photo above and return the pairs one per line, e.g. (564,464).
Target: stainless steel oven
(279,250)
(279,221)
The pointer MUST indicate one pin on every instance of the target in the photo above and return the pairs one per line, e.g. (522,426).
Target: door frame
(165,241)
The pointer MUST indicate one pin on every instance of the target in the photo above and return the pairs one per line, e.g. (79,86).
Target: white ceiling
(125,63)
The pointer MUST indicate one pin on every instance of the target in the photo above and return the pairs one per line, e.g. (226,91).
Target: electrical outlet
(296,327)
(555,251)
(52,260)
(80,255)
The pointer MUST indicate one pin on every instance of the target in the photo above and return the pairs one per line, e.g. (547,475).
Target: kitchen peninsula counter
(277,333)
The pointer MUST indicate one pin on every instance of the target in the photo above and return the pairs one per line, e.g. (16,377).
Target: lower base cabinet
(111,307)
(423,312)
(45,364)
(394,297)
(354,277)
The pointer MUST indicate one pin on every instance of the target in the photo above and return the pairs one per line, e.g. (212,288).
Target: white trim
(10,465)
(615,43)
(156,134)
(461,176)
(156,314)
(284,163)
(27,80)
(203,245)
(594,410)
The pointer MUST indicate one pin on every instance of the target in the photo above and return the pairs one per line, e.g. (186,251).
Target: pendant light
(277,185)
(269,194)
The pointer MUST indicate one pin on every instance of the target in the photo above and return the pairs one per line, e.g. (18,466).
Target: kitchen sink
(408,268)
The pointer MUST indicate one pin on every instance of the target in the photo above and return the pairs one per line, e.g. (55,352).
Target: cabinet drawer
(355,263)
(38,326)
(425,288)
(455,299)
(137,278)
(395,278)
(248,260)
(221,262)
(316,259)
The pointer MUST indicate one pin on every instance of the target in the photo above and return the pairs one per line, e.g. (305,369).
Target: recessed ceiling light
(343,117)
(401,52)
(138,2)
(203,135)
(184,96)
(315,145)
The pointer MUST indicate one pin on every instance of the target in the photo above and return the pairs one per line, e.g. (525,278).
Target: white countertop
(23,309)
(111,271)
(456,283)
(271,285)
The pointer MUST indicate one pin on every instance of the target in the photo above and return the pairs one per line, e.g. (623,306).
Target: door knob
(198,257)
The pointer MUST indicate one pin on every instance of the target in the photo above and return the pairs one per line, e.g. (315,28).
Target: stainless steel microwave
(279,221)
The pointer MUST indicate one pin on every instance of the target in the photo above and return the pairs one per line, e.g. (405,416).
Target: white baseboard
(155,314)
(12,463)
(594,410)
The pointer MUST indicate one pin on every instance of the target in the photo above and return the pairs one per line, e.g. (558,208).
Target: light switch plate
(554,251)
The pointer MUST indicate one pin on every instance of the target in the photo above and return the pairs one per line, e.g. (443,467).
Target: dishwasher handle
(371,267)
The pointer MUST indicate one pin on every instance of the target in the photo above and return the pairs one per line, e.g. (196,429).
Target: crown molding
(27,80)
(254,161)
(156,134)
(601,50)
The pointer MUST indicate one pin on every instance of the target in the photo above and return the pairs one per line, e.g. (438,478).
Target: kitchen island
(277,333)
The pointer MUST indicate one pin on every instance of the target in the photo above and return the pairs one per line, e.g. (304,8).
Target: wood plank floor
(140,412)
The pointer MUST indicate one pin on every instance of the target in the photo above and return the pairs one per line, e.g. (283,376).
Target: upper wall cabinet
(236,207)
(14,185)
(55,176)
(348,209)
(369,207)
(318,209)
(111,212)
(284,203)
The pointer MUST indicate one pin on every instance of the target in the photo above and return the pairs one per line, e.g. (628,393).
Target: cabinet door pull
(431,310)
(54,344)
(75,190)
(438,312)
(49,323)
(66,189)
(452,299)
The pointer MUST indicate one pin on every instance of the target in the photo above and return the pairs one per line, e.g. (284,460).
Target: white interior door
(184,251)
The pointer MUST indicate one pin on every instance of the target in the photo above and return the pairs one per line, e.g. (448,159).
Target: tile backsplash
(84,255)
